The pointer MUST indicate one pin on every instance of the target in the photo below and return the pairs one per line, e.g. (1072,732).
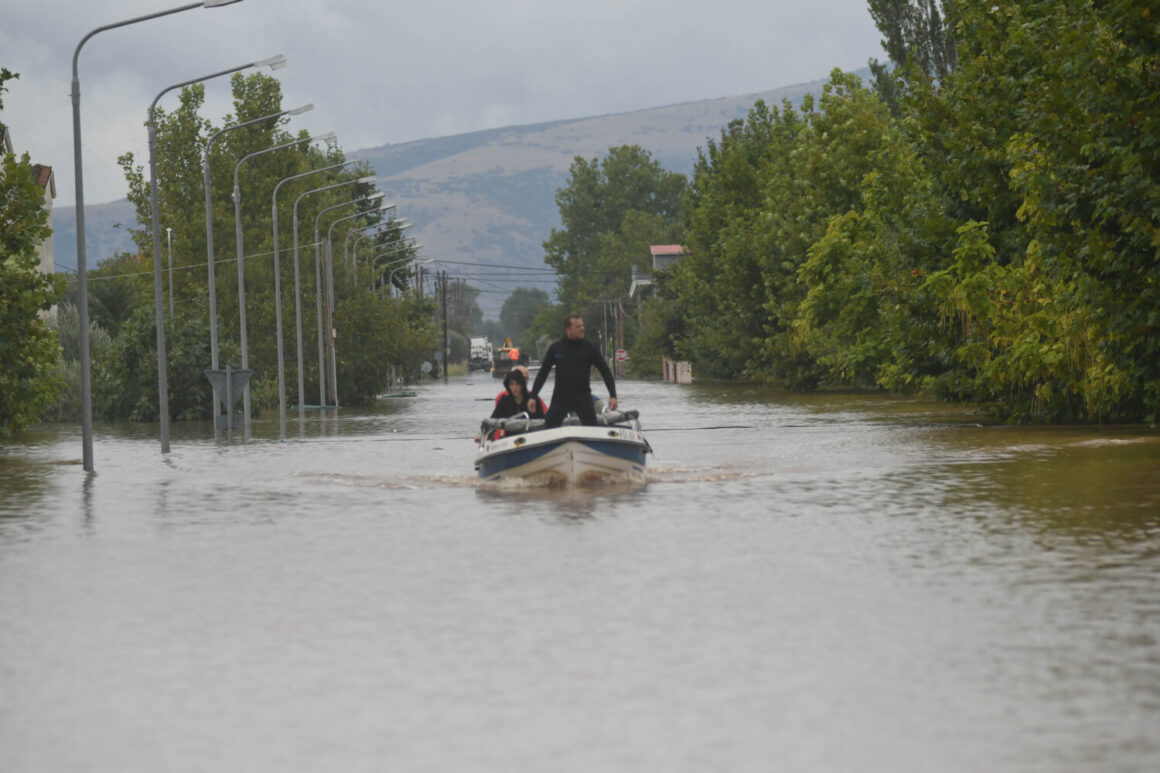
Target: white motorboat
(521,448)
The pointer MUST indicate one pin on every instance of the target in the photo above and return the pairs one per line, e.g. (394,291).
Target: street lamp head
(301,109)
(328,137)
(374,196)
(216,3)
(274,62)
(369,179)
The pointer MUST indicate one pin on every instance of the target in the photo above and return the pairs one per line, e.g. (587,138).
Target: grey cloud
(384,73)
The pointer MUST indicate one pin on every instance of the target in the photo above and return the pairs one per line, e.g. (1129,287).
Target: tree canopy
(985,228)
(28,345)
(374,330)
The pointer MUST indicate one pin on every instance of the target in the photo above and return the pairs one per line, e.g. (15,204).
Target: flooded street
(827,582)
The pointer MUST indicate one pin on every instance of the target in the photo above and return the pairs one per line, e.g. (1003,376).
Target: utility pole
(619,334)
(329,359)
(604,338)
(446,334)
(169,236)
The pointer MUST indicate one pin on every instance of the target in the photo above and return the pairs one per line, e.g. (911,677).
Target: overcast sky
(381,72)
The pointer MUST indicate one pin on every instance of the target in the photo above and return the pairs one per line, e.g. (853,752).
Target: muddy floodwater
(827,582)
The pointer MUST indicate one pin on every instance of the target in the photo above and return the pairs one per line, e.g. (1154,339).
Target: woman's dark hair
(515,375)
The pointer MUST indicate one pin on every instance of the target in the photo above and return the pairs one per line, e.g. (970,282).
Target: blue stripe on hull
(494,466)
(511,459)
(629,451)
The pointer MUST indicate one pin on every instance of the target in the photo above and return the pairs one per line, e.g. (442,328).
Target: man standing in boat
(573,357)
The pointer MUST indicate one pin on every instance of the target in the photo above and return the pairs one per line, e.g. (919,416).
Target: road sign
(621,355)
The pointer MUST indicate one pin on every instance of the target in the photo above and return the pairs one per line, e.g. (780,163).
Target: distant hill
(106,233)
(486,196)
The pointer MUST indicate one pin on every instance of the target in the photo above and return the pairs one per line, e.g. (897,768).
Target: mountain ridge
(488,196)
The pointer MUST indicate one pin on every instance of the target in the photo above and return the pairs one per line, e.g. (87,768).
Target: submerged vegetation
(982,223)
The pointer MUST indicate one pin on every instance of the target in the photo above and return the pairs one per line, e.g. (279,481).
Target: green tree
(181,139)
(608,210)
(117,286)
(546,327)
(865,318)
(519,310)
(918,31)
(662,326)
(401,334)
(1060,101)
(28,345)
(65,320)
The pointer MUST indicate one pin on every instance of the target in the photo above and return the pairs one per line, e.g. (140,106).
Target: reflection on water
(804,582)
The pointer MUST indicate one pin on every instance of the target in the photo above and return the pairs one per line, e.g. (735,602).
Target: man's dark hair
(568,320)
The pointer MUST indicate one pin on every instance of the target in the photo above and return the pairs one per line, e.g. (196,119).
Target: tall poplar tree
(595,210)
(28,346)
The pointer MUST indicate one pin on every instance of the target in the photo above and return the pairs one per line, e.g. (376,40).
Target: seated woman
(515,400)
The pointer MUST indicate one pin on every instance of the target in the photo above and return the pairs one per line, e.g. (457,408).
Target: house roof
(44,178)
(666,249)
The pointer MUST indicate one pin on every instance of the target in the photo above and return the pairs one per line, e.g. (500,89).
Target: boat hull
(573,455)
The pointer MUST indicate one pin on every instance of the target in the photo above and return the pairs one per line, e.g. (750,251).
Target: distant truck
(481,354)
(506,357)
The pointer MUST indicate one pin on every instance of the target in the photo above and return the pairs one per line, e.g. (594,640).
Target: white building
(47,183)
(663,256)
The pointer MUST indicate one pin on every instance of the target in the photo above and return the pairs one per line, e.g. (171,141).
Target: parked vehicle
(480,356)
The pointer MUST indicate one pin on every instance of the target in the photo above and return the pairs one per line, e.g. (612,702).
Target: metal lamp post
(400,224)
(213,319)
(350,250)
(330,264)
(368,180)
(353,232)
(237,195)
(278,292)
(417,263)
(403,261)
(396,245)
(79,190)
(274,62)
(359,229)
(169,238)
(390,279)
(359,234)
(322,360)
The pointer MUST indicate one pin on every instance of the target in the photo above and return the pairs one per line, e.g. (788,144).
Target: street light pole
(237,195)
(79,191)
(351,232)
(393,271)
(213,317)
(274,62)
(278,293)
(318,296)
(397,245)
(330,269)
(399,224)
(346,242)
(368,180)
(169,237)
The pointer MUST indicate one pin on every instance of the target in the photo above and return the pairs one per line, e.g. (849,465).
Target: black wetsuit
(573,360)
(506,406)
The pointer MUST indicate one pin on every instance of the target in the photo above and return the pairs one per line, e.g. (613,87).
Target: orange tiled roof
(43,174)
